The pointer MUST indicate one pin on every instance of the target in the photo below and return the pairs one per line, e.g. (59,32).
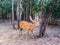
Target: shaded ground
(8,36)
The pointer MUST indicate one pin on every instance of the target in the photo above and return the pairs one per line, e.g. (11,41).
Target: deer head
(35,21)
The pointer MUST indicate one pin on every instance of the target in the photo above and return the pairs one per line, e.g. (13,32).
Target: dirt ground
(9,36)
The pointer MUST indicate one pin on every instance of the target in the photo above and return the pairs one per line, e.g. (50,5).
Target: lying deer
(29,26)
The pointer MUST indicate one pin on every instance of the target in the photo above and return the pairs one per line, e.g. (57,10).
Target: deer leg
(27,35)
(21,31)
(32,34)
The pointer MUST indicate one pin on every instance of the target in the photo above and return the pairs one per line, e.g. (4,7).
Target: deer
(29,26)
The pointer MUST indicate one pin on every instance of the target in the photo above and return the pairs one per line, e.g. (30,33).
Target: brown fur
(27,26)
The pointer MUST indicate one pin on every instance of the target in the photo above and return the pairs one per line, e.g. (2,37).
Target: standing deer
(29,26)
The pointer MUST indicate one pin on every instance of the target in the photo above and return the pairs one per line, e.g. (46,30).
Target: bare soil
(9,36)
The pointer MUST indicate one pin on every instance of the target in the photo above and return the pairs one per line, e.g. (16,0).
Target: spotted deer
(29,26)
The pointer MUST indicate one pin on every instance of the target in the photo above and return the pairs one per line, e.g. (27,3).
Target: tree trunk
(19,11)
(2,14)
(15,17)
(30,8)
(26,14)
(6,15)
(13,14)
(43,24)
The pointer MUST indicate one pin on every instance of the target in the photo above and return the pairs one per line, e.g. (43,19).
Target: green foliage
(35,6)
(54,7)
(49,5)
(6,5)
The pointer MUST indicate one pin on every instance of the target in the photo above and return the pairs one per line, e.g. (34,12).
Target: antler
(31,19)
(36,19)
